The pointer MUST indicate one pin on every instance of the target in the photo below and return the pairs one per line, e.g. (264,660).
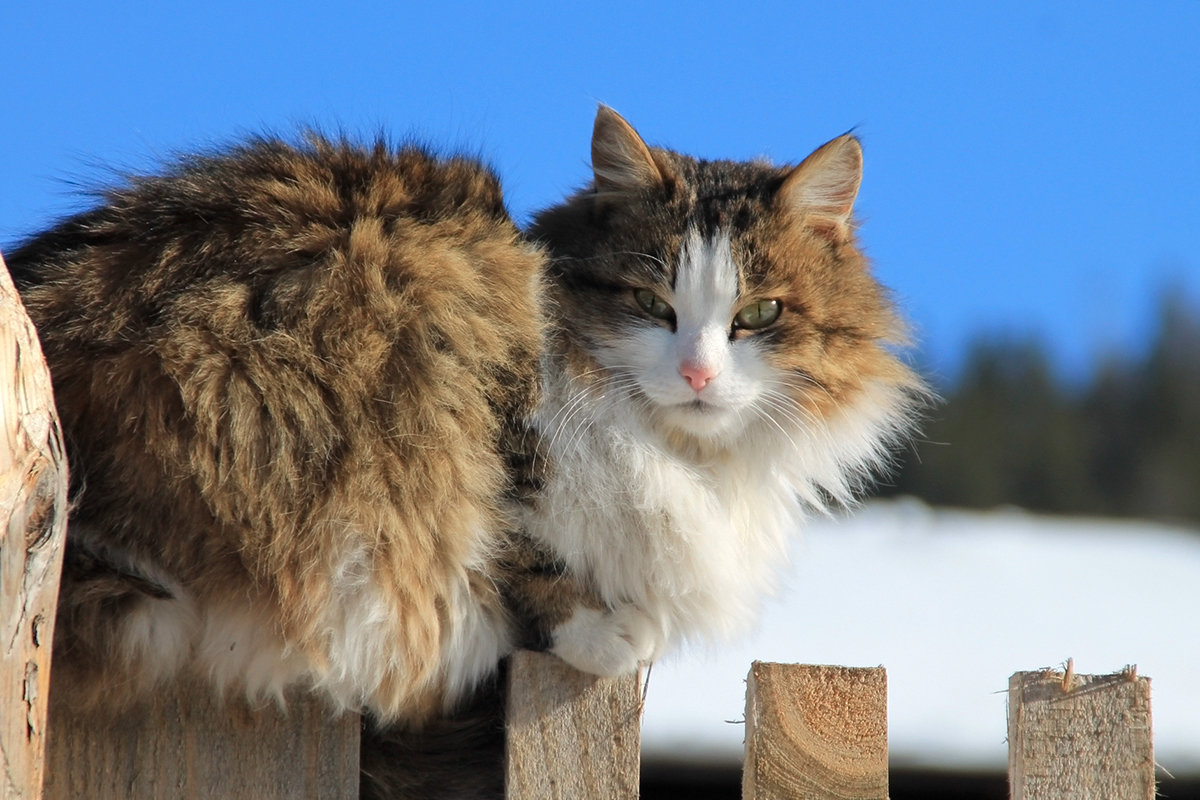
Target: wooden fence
(812,732)
(33,505)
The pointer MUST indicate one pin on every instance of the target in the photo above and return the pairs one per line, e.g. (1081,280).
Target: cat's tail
(459,755)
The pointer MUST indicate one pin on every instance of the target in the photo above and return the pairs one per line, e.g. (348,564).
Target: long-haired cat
(719,360)
(336,423)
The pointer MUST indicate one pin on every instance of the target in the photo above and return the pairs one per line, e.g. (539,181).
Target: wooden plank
(815,733)
(33,518)
(1080,736)
(186,745)
(570,735)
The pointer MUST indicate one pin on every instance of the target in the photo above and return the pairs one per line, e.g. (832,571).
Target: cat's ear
(824,186)
(621,161)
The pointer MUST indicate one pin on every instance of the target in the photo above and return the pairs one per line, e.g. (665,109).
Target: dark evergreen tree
(1014,432)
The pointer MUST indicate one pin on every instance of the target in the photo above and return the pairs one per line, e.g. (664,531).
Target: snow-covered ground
(952,603)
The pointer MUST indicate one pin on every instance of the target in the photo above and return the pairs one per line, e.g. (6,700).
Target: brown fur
(268,358)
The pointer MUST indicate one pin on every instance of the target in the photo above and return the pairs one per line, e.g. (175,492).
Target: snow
(952,603)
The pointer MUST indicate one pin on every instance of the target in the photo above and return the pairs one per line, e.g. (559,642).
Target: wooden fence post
(33,517)
(815,733)
(186,746)
(570,735)
(1072,737)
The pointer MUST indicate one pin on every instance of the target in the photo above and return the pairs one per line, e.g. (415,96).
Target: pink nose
(697,376)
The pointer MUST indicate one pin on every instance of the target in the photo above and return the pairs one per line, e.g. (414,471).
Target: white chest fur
(694,542)
(682,460)
(691,544)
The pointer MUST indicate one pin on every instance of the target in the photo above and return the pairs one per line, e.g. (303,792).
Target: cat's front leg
(554,610)
(606,641)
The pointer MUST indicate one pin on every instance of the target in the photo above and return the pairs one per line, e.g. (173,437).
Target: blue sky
(1033,168)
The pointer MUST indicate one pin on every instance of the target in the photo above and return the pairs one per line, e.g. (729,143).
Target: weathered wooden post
(570,735)
(815,733)
(1075,737)
(185,745)
(33,514)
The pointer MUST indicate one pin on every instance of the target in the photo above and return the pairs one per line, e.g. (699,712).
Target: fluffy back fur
(285,373)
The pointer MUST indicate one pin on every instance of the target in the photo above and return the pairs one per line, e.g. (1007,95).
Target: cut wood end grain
(815,732)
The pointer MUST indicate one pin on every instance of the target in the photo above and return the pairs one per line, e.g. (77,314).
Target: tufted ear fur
(824,186)
(621,161)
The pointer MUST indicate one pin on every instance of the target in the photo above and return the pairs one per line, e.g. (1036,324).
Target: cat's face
(694,345)
(713,297)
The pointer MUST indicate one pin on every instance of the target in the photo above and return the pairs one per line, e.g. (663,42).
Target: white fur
(605,642)
(240,648)
(157,634)
(235,641)
(704,299)
(476,641)
(706,288)
(679,502)
(155,637)
(359,628)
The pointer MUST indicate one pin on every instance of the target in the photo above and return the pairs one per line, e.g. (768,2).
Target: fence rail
(183,745)
(812,733)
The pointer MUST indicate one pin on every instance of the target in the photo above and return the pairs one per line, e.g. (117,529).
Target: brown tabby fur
(237,350)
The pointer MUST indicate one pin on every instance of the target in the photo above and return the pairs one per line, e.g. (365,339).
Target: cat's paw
(607,643)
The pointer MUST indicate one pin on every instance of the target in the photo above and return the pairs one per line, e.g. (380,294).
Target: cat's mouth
(700,419)
(698,406)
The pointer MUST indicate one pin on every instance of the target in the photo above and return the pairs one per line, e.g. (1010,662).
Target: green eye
(653,305)
(758,314)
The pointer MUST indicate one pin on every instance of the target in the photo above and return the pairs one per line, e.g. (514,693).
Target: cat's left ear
(824,186)
(621,162)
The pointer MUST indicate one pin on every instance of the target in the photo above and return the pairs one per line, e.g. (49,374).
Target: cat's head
(722,297)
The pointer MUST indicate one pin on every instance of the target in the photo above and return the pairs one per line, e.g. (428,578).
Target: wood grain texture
(570,735)
(815,733)
(187,746)
(33,517)
(1072,737)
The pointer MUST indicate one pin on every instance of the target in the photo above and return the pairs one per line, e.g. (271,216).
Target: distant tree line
(1013,431)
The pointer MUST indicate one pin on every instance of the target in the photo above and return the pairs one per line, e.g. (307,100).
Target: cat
(335,423)
(721,361)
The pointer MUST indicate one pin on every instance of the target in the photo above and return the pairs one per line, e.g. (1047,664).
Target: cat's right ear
(823,188)
(621,162)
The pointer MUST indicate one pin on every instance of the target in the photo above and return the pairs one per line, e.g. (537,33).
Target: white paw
(607,643)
